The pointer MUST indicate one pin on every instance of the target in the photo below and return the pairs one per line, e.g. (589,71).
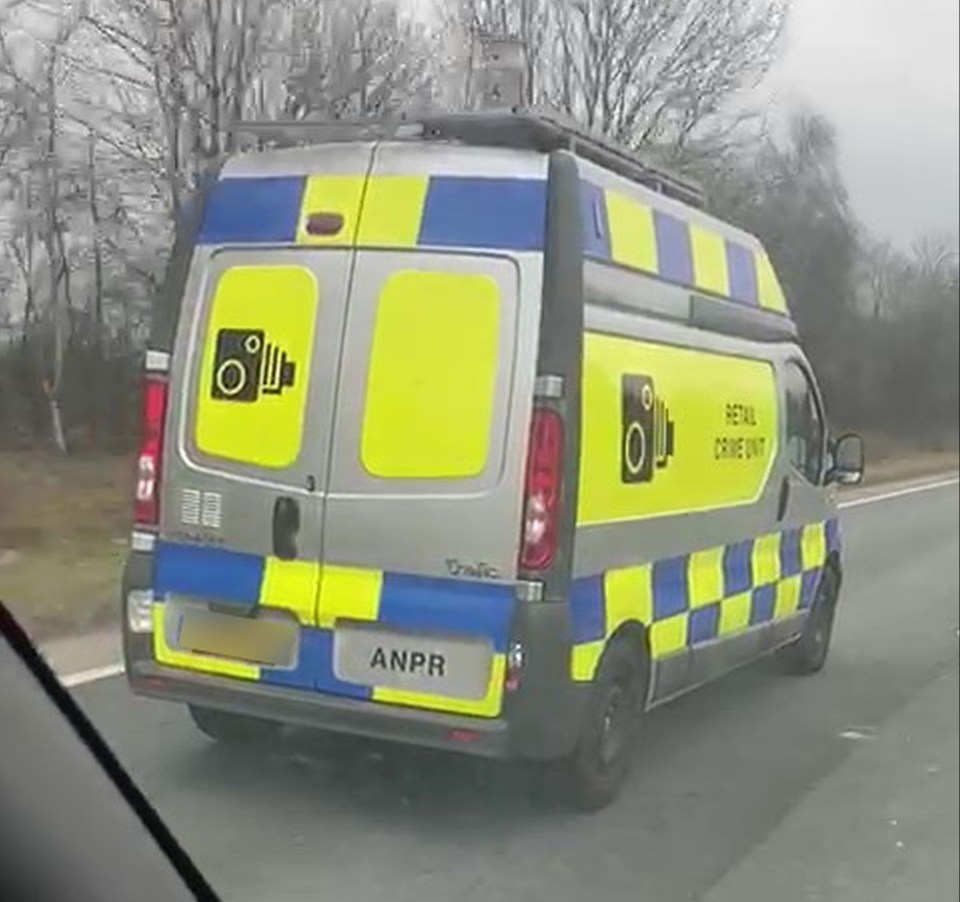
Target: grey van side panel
(635,306)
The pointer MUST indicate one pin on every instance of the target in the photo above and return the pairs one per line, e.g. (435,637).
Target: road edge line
(899,493)
(82,677)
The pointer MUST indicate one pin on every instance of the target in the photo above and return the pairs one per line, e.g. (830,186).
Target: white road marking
(899,493)
(92,675)
(111,670)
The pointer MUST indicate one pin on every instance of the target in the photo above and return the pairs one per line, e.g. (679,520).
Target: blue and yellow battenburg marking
(398,211)
(693,598)
(397,600)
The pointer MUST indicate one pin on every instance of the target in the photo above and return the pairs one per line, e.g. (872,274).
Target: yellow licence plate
(259,641)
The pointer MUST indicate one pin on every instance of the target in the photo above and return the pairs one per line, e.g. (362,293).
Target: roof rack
(528,129)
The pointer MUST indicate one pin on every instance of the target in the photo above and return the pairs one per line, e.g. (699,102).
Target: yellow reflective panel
(670,430)
(668,636)
(813,546)
(709,260)
(257,345)
(735,613)
(633,240)
(584,659)
(349,593)
(765,560)
(392,209)
(705,576)
(291,586)
(628,595)
(339,194)
(768,286)
(788,596)
(432,375)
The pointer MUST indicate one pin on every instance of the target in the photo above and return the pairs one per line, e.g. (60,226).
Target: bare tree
(357,59)
(642,72)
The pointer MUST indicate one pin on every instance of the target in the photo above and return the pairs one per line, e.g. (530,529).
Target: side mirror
(847,465)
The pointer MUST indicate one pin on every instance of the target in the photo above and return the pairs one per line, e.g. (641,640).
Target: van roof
(626,200)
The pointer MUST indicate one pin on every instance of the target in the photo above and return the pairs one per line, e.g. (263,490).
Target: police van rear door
(253,388)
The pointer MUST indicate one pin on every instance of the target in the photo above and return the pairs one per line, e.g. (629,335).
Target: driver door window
(804,425)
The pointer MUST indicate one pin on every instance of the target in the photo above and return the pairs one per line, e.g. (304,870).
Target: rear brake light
(541,506)
(146,506)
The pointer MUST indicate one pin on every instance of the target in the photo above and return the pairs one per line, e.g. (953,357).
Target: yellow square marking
(709,260)
(488,706)
(332,194)
(705,576)
(628,595)
(765,560)
(431,378)
(633,239)
(668,636)
(768,286)
(584,659)
(788,597)
(392,210)
(291,586)
(735,614)
(349,593)
(813,546)
(172,657)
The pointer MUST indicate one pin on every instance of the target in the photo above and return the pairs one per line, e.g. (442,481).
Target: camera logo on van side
(247,364)
(647,435)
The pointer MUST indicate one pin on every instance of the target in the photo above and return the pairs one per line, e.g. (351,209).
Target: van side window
(805,430)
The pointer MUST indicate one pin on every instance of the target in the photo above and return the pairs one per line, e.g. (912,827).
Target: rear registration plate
(372,655)
(259,641)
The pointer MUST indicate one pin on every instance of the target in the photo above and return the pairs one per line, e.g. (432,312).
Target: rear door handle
(286,525)
(784,499)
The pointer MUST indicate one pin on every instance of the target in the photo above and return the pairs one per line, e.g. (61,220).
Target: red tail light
(541,507)
(146,505)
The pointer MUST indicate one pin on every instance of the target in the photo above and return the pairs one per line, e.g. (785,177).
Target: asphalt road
(716,772)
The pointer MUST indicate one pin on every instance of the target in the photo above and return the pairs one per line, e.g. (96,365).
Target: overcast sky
(886,73)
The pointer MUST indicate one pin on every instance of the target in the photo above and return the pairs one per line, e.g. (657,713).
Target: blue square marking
(742,270)
(762,603)
(253,211)
(737,569)
(808,587)
(467,608)
(314,670)
(209,573)
(593,214)
(704,623)
(670,590)
(791,562)
(674,252)
(587,615)
(469,211)
(832,535)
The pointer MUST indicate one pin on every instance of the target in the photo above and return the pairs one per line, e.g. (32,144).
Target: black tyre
(235,729)
(592,776)
(809,653)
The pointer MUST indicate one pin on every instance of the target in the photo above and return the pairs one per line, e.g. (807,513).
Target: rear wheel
(592,776)
(809,653)
(235,729)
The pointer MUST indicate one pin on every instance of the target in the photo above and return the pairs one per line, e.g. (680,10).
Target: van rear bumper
(488,738)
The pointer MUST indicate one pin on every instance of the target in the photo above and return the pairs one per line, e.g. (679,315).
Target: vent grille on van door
(201,508)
